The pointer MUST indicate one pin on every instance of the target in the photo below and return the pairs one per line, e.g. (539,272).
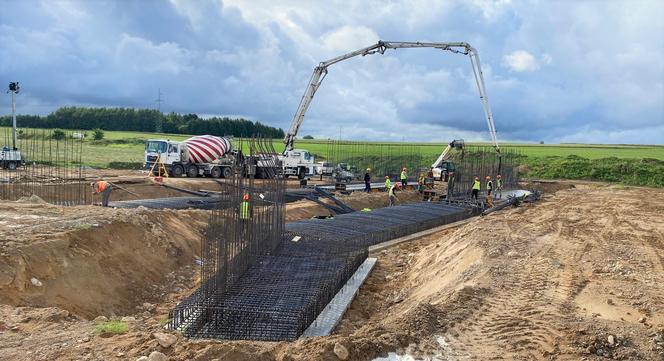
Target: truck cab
(298,162)
(169,152)
(443,171)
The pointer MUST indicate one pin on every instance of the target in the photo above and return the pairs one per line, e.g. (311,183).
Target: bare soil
(577,276)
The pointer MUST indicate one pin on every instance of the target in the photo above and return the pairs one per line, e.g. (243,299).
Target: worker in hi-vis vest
(245,208)
(104,188)
(404,177)
(489,185)
(388,183)
(476,187)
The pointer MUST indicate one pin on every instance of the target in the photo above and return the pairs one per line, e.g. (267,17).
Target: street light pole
(13,88)
(14,120)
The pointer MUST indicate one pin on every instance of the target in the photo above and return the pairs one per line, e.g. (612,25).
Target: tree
(58,134)
(97,134)
(308,137)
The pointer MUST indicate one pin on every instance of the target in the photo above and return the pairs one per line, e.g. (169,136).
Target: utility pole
(158,126)
(13,88)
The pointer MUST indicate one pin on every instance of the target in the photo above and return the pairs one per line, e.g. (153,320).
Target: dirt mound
(102,264)
(576,276)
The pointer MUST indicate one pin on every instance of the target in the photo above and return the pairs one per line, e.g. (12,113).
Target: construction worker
(392,194)
(420,183)
(104,188)
(476,187)
(367,180)
(245,208)
(499,186)
(404,177)
(489,185)
(388,183)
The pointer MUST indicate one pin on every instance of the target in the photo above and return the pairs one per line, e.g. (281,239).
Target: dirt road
(576,276)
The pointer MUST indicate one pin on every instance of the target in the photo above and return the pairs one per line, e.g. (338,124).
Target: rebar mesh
(383,158)
(482,161)
(49,166)
(277,292)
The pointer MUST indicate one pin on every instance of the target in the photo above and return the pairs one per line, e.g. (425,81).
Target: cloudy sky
(558,71)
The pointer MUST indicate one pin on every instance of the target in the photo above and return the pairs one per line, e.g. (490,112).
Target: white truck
(10,159)
(299,163)
(203,155)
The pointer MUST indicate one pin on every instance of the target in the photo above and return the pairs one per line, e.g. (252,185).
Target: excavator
(294,157)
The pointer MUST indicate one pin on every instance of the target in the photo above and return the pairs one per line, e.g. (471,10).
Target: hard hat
(245,197)
(488,177)
(404,168)
(477,178)
(387,177)
(498,176)
(368,169)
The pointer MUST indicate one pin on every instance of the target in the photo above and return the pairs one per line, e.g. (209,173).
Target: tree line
(142,120)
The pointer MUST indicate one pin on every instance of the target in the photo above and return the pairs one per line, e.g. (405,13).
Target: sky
(555,71)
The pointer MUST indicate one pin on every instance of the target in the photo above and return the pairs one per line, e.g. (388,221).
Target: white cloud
(519,61)
(349,38)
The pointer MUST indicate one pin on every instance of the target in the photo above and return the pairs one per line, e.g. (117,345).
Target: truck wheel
(300,173)
(226,172)
(11,165)
(215,172)
(177,171)
(192,171)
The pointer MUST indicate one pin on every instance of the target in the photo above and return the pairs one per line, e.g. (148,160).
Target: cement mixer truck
(203,155)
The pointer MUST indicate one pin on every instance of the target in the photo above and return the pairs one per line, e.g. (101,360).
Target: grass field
(589,161)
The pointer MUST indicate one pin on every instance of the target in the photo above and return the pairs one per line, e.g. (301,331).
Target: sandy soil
(577,276)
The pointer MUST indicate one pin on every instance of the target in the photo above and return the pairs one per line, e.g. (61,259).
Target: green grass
(112,327)
(627,164)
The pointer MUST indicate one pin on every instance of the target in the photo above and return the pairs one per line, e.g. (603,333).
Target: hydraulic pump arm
(321,71)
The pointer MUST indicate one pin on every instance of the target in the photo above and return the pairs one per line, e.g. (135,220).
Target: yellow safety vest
(476,185)
(499,183)
(404,175)
(388,184)
(391,194)
(244,210)
(489,185)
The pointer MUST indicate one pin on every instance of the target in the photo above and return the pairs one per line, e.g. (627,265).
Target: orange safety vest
(101,186)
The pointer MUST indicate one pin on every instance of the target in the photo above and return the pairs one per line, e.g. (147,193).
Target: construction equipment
(380,47)
(200,155)
(442,167)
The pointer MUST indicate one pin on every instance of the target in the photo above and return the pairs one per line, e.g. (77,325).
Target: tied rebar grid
(482,161)
(50,167)
(233,243)
(385,159)
(281,294)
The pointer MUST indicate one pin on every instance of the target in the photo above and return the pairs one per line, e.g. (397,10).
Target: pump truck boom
(380,47)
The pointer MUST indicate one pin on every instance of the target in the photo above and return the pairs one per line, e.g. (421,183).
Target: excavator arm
(321,71)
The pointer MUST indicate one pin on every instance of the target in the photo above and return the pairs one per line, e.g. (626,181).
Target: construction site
(225,248)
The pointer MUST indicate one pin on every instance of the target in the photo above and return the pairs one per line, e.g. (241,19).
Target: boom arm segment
(321,71)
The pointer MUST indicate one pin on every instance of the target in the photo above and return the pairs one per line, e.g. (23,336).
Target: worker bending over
(476,187)
(392,194)
(489,185)
(367,180)
(404,177)
(104,188)
(388,183)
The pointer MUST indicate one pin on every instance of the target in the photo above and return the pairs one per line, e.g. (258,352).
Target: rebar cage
(264,280)
(46,163)
(482,161)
